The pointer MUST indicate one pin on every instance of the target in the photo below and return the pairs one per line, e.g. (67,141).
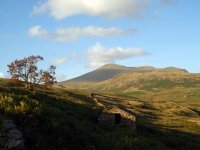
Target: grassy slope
(59,119)
(179,87)
(140,81)
(171,125)
(155,79)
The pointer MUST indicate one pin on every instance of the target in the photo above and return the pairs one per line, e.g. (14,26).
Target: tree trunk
(28,86)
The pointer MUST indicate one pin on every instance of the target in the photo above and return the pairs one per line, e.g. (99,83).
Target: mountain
(113,76)
(159,79)
(108,71)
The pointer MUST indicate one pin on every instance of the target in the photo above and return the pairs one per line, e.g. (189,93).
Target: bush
(10,104)
(7,104)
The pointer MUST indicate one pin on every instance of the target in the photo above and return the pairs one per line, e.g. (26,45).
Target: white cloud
(37,31)
(61,77)
(74,33)
(2,75)
(62,60)
(99,55)
(61,9)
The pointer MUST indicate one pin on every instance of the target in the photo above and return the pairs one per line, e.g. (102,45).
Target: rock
(15,145)
(8,125)
(14,134)
(12,137)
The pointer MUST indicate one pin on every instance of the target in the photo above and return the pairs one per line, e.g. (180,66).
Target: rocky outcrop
(12,137)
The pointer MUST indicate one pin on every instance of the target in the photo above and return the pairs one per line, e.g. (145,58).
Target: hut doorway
(117,118)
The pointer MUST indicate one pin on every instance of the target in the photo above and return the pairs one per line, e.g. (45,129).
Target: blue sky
(81,35)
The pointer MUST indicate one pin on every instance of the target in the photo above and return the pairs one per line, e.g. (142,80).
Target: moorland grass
(61,119)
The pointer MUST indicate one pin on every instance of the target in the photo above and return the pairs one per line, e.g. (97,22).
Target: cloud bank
(61,77)
(74,33)
(99,55)
(63,60)
(61,9)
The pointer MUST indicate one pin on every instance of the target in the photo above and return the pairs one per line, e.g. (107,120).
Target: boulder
(15,145)
(12,137)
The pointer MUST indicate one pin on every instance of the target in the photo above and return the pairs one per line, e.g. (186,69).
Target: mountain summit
(110,70)
(112,77)
(113,66)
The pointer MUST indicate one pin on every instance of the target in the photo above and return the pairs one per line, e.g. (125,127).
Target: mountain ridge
(113,77)
(110,70)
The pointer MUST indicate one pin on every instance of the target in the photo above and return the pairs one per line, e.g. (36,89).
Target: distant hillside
(108,71)
(148,81)
(111,76)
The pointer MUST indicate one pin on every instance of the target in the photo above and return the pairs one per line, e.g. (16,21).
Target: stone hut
(115,116)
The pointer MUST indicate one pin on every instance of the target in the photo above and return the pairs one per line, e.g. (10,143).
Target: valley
(145,83)
(164,102)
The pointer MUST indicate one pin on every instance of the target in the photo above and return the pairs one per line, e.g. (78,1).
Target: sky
(82,35)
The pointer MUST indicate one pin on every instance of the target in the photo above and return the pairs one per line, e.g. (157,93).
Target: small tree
(26,70)
(48,77)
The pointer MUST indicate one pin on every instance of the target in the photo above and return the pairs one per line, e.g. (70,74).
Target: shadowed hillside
(58,119)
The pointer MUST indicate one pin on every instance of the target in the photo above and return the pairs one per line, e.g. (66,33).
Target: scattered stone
(12,137)
(8,125)
(14,134)
(15,145)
